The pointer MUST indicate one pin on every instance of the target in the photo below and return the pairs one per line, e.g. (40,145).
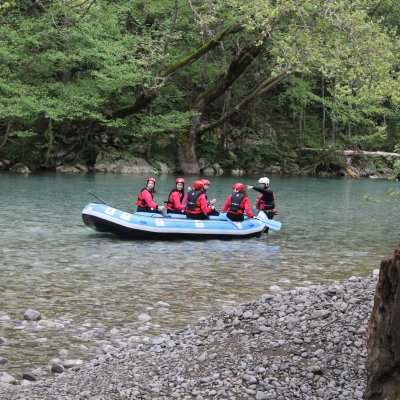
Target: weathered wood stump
(383,363)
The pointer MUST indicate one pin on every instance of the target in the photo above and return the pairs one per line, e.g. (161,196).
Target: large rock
(163,167)
(131,165)
(383,363)
(74,169)
(20,168)
(213,170)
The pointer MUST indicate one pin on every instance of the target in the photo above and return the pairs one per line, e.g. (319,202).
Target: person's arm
(263,191)
(148,199)
(185,199)
(203,204)
(176,201)
(225,207)
(247,207)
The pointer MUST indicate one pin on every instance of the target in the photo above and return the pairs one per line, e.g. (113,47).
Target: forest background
(239,84)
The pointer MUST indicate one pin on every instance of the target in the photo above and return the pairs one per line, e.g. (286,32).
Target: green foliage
(396,166)
(6,5)
(372,141)
(69,66)
(173,122)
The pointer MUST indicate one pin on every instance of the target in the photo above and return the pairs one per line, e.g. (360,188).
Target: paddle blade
(274,225)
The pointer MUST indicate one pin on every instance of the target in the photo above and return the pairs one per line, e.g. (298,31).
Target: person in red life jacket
(175,198)
(197,206)
(145,200)
(207,185)
(266,199)
(237,204)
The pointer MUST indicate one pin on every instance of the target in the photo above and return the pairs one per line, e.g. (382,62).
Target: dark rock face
(383,363)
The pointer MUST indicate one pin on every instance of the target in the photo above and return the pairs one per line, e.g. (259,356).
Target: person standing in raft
(175,198)
(237,204)
(197,206)
(145,200)
(266,199)
(207,185)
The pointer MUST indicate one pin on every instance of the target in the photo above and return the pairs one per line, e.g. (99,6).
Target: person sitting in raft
(175,198)
(197,206)
(145,200)
(237,204)
(266,199)
(207,185)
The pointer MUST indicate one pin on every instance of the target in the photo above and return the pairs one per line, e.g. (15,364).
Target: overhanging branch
(147,96)
(264,87)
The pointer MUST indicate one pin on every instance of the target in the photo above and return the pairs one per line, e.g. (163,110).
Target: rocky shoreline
(355,164)
(305,343)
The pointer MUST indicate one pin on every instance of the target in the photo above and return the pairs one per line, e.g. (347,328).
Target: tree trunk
(187,144)
(187,156)
(383,363)
(323,111)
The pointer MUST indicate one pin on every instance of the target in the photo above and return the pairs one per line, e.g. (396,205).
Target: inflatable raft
(140,225)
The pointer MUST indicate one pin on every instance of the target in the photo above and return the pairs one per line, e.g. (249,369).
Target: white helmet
(265,180)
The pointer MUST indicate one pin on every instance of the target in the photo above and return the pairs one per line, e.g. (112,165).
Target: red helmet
(238,186)
(152,180)
(206,182)
(198,184)
(179,180)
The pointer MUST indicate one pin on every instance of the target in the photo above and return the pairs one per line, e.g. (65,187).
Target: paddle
(98,198)
(225,218)
(274,225)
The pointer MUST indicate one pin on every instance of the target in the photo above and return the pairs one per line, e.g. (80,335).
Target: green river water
(97,285)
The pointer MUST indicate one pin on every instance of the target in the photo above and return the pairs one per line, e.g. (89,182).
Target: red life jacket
(140,200)
(265,201)
(192,207)
(170,204)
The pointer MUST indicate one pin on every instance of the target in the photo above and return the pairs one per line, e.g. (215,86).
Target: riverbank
(303,162)
(306,343)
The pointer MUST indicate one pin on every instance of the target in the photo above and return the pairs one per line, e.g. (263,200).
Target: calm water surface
(92,283)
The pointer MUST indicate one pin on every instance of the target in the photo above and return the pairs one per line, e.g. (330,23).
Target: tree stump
(383,363)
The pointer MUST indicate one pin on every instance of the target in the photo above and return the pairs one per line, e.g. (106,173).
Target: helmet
(206,182)
(198,184)
(264,180)
(238,186)
(152,180)
(179,180)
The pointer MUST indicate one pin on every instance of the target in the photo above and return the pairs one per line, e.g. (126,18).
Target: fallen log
(355,152)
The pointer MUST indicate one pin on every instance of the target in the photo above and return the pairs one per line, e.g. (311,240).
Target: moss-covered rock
(20,169)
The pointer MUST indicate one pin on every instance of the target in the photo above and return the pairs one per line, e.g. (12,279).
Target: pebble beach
(306,343)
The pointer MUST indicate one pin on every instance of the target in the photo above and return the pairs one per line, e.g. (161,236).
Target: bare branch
(265,86)
(40,4)
(87,10)
(300,13)
(2,144)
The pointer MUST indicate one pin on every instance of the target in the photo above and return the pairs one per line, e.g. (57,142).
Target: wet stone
(30,376)
(267,356)
(57,368)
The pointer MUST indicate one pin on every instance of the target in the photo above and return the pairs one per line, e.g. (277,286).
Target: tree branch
(243,59)
(264,87)
(87,10)
(2,144)
(147,96)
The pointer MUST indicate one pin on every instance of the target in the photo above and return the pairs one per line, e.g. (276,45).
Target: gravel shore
(306,343)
